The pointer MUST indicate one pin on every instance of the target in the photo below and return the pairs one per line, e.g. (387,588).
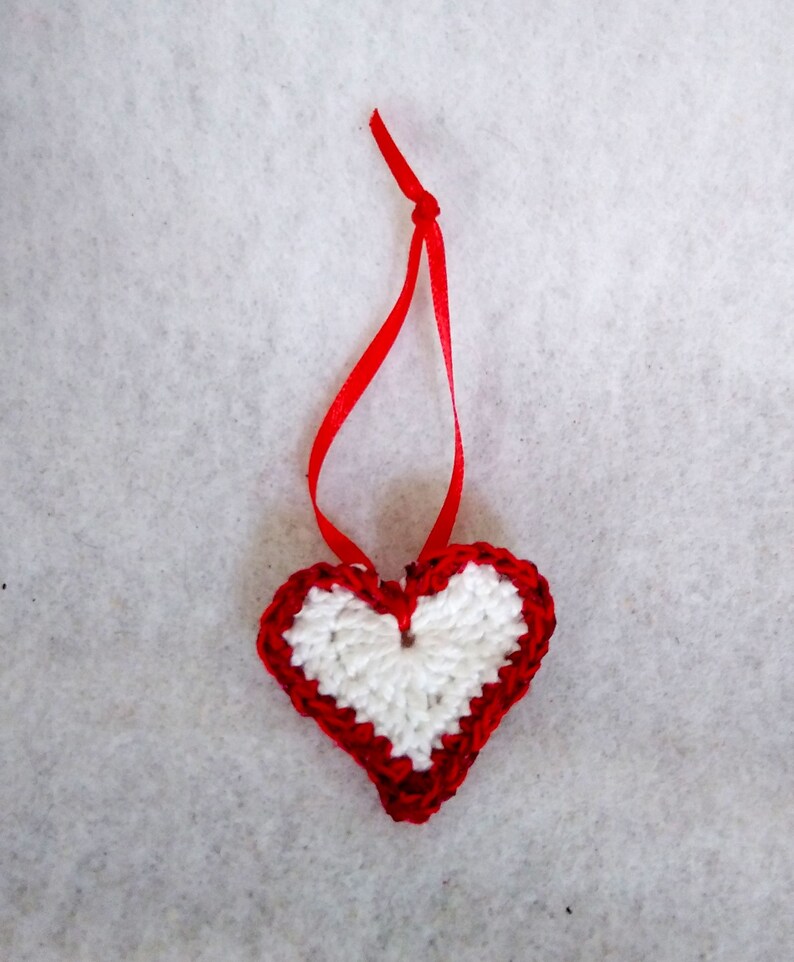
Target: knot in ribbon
(426,209)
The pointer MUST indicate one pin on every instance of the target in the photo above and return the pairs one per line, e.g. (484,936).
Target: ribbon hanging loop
(427,235)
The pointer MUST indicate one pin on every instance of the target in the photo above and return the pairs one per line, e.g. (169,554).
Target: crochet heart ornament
(412,677)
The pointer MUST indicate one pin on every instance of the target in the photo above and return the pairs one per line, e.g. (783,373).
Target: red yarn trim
(408,795)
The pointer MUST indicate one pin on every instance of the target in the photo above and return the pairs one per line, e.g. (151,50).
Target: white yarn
(412,695)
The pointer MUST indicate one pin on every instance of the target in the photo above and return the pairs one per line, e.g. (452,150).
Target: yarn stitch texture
(410,678)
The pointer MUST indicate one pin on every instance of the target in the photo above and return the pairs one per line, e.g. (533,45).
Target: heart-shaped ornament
(410,678)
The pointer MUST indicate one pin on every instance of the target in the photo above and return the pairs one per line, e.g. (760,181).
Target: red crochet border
(408,795)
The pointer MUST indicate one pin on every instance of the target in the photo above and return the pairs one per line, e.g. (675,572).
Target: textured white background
(198,237)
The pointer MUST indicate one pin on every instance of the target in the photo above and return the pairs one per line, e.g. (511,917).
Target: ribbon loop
(427,235)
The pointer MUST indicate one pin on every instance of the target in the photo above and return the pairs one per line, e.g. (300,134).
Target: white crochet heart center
(412,695)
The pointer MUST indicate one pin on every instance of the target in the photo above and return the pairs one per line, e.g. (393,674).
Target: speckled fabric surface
(198,238)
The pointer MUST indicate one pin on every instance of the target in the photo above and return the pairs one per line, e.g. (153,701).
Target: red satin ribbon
(427,234)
